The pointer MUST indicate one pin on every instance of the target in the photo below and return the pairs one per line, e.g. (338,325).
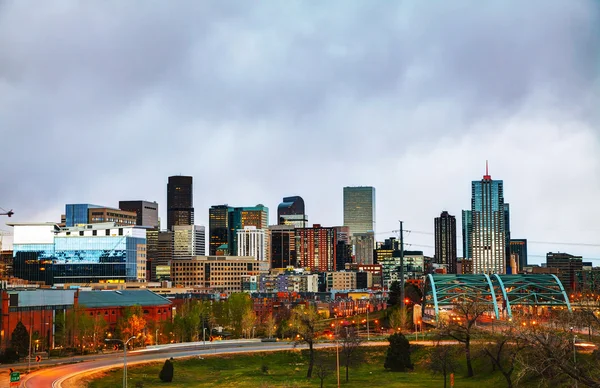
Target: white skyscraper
(188,240)
(252,242)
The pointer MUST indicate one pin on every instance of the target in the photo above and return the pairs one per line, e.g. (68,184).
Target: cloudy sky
(101,101)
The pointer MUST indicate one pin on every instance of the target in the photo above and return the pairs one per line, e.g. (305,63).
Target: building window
(81,233)
(120,231)
(94,232)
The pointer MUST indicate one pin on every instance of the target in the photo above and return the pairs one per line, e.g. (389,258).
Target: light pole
(368,332)
(124,356)
(204,335)
(574,352)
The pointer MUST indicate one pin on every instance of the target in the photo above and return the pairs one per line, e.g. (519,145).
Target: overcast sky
(101,101)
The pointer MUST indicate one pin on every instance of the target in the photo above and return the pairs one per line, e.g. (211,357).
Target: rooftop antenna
(487,176)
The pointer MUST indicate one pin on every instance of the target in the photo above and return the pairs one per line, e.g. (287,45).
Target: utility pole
(401,267)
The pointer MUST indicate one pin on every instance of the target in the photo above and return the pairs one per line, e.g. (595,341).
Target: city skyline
(436,97)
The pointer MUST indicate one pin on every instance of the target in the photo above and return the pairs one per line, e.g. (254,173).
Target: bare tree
(323,369)
(442,360)
(502,349)
(350,341)
(305,321)
(461,326)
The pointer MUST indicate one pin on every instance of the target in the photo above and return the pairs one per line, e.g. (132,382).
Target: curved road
(55,376)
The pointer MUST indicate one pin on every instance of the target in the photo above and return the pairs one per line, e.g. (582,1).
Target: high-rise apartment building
(283,246)
(467,234)
(359,209)
(518,253)
(252,242)
(218,229)
(316,248)
(180,201)
(489,230)
(146,212)
(188,240)
(291,212)
(445,241)
(240,217)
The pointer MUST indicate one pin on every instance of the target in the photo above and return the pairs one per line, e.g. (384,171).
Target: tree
(442,360)
(166,373)
(19,339)
(238,304)
(394,294)
(398,318)
(270,326)
(397,358)
(502,349)
(323,369)
(461,326)
(350,342)
(248,322)
(305,321)
(132,323)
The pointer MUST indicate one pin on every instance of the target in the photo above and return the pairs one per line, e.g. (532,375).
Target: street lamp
(124,356)
(368,334)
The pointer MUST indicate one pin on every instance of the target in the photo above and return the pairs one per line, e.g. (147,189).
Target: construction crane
(6,213)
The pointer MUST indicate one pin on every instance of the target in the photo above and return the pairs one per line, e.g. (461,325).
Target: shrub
(166,373)
(397,358)
(9,356)
(265,369)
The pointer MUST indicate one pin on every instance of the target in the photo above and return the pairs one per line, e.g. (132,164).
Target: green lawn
(288,369)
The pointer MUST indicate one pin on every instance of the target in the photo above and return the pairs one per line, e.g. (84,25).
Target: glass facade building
(180,201)
(467,232)
(445,241)
(291,212)
(78,213)
(488,216)
(92,254)
(359,209)
(240,217)
(218,227)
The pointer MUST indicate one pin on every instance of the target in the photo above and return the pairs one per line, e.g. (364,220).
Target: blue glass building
(78,213)
(488,216)
(96,253)
(240,217)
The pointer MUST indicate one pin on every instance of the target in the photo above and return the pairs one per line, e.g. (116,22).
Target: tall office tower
(467,234)
(567,265)
(316,248)
(188,240)
(180,201)
(291,212)
(252,242)
(510,269)
(218,229)
(283,246)
(146,212)
(343,234)
(488,216)
(240,217)
(445,241)
(359,209)
(343,255)
(518,253)
(164,256)
(364,245)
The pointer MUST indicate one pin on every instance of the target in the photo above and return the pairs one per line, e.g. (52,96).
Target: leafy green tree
(394,294)
(397,358)
(19,339)
(166,373)
(238,304)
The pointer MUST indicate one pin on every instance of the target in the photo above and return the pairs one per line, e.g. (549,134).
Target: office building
(291,212)
(146,212)
(316,248)
(252,242)
(511,266)
(161,267)
(341,280)
(240,217)
(567,265)
(180,201)
(518,253)
(188,240)
(467,234)
(77,214)
(489,232)
(343,255)
(364,244)
(218,229)
(100,215)
(445,241)
(359,209)
(92,253)
(283,246)
(216,273)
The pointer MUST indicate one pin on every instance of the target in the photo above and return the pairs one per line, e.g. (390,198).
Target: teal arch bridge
(501,293)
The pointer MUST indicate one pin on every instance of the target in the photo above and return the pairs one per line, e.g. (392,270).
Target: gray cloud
(101,101)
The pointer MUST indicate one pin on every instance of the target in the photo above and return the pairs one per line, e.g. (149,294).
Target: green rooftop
(114,298)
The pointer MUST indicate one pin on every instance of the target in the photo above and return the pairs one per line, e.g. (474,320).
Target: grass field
(288,369)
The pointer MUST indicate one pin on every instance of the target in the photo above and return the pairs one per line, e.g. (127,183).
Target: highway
(55,376)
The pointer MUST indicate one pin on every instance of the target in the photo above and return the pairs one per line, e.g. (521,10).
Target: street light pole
(124,356)
(368,334)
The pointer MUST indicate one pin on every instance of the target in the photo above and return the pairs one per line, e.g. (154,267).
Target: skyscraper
(489,233)
(359,209)
(218,228)
(518,253)
(291,212)
(240,217)
(283,246)
(467,234)
(316,248)
(180,202)
(445,241)
(252,242)
(509,268)
(147,212)
(188,240)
